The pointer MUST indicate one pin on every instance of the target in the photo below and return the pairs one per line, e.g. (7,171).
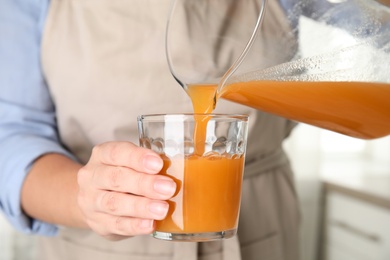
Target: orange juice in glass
(204,155)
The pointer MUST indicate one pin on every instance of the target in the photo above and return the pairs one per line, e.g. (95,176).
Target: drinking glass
(204,155)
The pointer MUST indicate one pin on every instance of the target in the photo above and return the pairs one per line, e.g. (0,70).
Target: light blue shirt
(27,117)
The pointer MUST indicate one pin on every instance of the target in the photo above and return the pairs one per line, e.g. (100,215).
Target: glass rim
(242,117)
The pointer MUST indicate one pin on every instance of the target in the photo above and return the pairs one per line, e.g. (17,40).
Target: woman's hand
(121,192)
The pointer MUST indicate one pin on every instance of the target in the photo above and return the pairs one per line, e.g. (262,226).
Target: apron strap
(185,250)
(189,251)
(231,249)
(265,162)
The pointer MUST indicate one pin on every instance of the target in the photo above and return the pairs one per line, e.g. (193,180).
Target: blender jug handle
(245,51)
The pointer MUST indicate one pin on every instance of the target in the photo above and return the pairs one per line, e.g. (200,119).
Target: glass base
(195,237)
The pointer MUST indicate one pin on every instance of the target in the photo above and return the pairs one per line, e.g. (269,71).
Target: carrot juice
(208,194)
(357,109)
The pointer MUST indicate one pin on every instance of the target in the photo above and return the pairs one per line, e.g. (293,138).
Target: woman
(74,75)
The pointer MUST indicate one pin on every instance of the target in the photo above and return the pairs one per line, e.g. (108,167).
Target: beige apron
(105,64)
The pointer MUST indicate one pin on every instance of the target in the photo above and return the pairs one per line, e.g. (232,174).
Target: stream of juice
(203,102)
(356,109)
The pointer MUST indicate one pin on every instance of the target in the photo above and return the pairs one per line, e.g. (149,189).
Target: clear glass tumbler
(204,155)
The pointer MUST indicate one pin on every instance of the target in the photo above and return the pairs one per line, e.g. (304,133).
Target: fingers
(122,204)
(129,155)
(126,180)
(119,227)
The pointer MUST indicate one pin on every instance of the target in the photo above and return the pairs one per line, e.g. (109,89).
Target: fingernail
(160,209)
(165,187)
(153,163)
(146,223)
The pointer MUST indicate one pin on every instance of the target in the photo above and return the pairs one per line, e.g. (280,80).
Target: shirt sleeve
(27,115)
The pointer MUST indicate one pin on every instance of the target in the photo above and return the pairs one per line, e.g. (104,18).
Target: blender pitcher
(320,62)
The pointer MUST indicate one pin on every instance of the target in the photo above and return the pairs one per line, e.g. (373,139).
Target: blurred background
(344,188)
